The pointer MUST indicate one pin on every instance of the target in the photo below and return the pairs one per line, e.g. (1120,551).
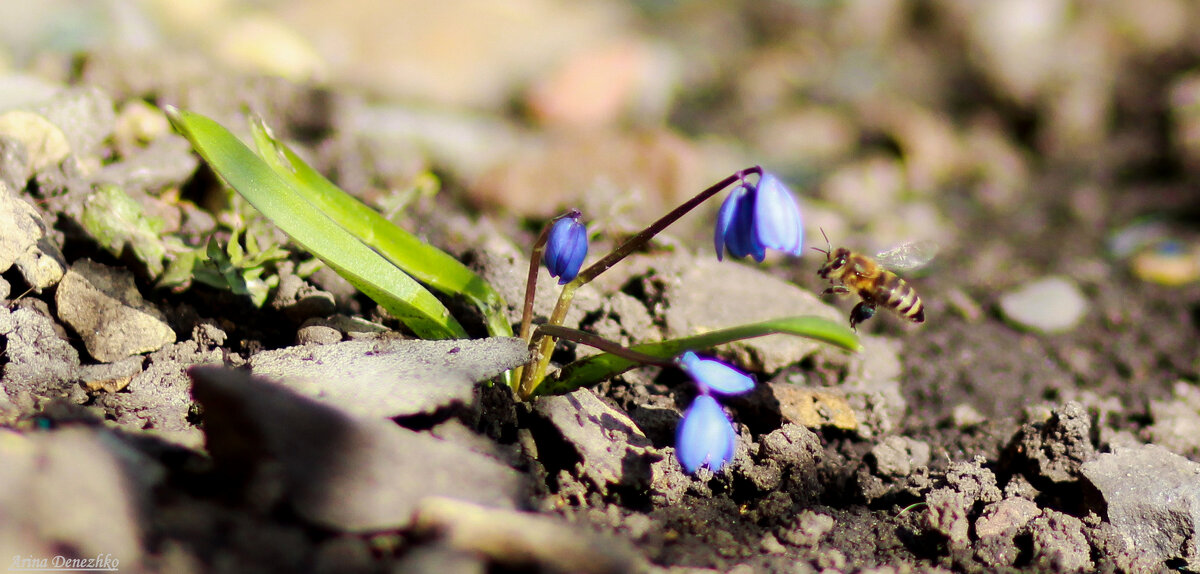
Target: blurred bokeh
(884,114)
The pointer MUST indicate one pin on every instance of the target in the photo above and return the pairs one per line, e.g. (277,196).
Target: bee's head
(828,267)
(834,262)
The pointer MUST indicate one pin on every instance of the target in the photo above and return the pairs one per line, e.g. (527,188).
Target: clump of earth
(269,418)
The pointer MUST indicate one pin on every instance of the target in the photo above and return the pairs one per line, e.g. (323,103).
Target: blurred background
(893,120)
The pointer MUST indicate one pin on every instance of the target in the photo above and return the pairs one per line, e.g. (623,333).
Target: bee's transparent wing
(908,256)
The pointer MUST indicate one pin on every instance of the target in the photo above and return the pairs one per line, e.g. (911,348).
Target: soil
(969,443)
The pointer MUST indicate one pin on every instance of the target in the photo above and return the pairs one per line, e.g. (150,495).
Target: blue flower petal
(705,437)
(725,220)
(714,376)
(777,223)
(735,226)
(566,248)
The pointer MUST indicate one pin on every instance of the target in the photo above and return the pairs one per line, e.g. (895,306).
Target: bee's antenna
(828,247)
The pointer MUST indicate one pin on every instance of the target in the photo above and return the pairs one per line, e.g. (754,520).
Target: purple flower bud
(566,248)
(705,437)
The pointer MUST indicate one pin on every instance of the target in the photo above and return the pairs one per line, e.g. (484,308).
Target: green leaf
(426,263)
(277,199)
(597,368)
(117,220)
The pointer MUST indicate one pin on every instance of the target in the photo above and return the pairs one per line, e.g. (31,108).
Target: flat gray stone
(103,306)
(704,294)
(612,449)
(1152,497)
(335,469)
(388,378)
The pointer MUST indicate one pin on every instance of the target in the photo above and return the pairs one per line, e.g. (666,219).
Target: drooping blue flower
(714,376)
(705,437)
(566,248)
(758,217)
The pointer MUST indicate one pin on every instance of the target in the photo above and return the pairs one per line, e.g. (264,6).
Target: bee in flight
(874,282)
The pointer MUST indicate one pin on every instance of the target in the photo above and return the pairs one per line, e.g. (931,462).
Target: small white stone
(1050,305)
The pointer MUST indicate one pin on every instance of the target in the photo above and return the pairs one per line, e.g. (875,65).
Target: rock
(1053,450)
(949,507)
(1049,305)
(40,361)
(110,377)
(158,399)
(103,306)
(1176,425)
(300,301)
(333,468)
(1059,542)
(85,115)
(611,450)
(389,378)
(1152,497)
(24,241)
(165,162)
(797,452)
(317,334)
(808,529)
(897,456)
(704,294)
(43,480)
(43,143)
(524,541)
(1005,517)
(813,408)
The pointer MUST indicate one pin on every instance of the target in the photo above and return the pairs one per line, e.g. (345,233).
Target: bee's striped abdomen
(896,294)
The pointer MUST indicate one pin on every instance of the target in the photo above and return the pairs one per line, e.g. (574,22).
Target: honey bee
(872,280)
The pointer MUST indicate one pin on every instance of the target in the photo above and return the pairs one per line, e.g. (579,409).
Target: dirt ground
(1044,418)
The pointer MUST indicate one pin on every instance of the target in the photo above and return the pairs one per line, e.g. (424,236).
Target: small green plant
(393,267)
(118,222)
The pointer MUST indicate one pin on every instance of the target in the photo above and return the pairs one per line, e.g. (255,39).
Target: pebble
(898,456)
(1152,497)
(23,242)
(1052,304)
(1008,515)
(103,306)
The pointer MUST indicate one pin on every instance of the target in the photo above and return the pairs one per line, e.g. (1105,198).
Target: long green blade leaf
(278,200)
(426,263)
(596,368)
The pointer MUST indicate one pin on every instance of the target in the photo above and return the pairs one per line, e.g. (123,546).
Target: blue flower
(705,437)
(758,217)
(714,376)
(565,248)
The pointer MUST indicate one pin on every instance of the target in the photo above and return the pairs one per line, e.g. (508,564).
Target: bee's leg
(836,290)
(861,312)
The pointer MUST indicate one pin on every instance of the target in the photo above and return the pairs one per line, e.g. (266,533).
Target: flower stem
(637,241)
(535,263)
(543,344)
